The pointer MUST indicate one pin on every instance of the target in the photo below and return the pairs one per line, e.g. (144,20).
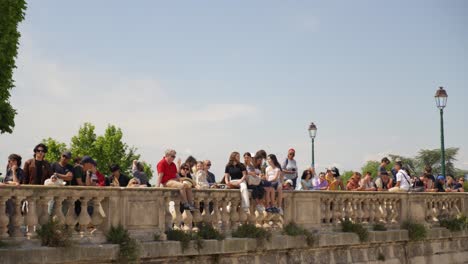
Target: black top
(123,180)
(78,173)
(9,175)
(439,186)
(39,164)
(235,171)
(57,168)
(211,178)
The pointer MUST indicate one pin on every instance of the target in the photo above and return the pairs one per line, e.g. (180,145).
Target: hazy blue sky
(210,77)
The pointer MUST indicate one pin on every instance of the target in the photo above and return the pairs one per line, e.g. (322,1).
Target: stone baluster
(197,216)
(176,217)
(58,213)
(31,216)
(4,219)
(348,210)
(43,209)
(435,211)
(335,211)
(323,211)
(234,215)
(360,210)
(84,219)
(252,217)
(389,211)
(97,216)
(70,218)
(445,209)
(168,215)
(17,219)
(372,211)
(216,214)
(365,210)
(225,215)
(395,213)
(243,215)
(328,211)
(187,219)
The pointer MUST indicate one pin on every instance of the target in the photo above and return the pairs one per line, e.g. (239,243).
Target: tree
(433,157)
(83,143)
(410,163)
(371,166)
(11,14)
(55,149)
(148,170)
(346,176)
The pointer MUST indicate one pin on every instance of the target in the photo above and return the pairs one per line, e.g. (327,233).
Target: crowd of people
(259,173)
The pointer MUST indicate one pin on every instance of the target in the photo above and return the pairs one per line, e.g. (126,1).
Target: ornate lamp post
(312,133)
(441,102)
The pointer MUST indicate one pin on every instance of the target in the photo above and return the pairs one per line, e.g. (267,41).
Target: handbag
(253,180)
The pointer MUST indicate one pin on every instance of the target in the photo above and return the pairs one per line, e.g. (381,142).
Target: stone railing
(91,211)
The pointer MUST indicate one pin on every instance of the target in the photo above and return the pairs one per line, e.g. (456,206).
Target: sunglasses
(208,164)
(185,169)
(41,150)
(173,156)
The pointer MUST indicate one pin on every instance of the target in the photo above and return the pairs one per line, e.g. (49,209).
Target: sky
(211,77)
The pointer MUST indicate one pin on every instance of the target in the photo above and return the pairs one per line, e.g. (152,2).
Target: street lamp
(441,101)
(312,134)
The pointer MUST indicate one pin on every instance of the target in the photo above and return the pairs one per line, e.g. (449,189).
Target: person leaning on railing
(453,186)
(37,170)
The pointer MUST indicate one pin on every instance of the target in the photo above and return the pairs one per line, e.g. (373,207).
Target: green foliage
(129,247)
(54,234)
(251,231)
(3,244)
(157,237)
(349,226)
(416,232)
(83,143)
(181,236)
(55,149)
(292,229)
(465,186)
(379,227)
(346,176)
(371,166)
(148,170)
(432,157)
(208,232)
(455,224)
(11,14)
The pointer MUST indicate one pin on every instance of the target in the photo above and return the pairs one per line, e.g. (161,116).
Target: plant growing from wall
(361,231)
(54,234)
(379,227)
(181,236)
(292,229)
(251,231)
(455,224)
(416,232)
(129,251)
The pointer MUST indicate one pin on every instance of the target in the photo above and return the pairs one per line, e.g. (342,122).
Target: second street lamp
(441,101)
(312,133)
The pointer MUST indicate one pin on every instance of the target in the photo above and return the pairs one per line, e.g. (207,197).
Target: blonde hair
(169,152)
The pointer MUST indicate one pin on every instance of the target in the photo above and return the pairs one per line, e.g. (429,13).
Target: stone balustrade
(91,211)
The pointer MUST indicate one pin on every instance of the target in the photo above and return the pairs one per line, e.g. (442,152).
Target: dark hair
(140,166)
(261,153)
(386,160)
(191,161)
(399,163)
(304,174)
(368,172)
(77,160)
(255,160)
(247,154)
(275,161)
(428,169)
(114,167)
(15,157)
(41,145)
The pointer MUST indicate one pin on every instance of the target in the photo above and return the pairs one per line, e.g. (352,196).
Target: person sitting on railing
(167,177)
(138,171)
(14,174)
(274,176)
(334,181)
(37,170)
(366,183)
(321,183)
(383,182)
(93,176)
(211,178)
(403,180)
(117,179)
(235,176)
(306,180)
(201,181)
(254,180)
(353,183)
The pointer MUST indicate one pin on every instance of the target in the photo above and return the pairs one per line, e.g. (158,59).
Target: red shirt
(169,170)
(101,179)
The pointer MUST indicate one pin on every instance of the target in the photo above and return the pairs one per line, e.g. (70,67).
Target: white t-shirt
(271,173)
(404,179)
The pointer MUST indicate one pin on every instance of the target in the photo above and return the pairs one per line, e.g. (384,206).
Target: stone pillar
(84,219)
(17,218)
(31,216)
(4,219)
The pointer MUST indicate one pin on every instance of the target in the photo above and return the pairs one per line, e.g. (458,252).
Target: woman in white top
(201,180)
(274,177)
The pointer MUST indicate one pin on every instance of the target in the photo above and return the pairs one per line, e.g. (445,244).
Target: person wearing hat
(116,179)
(62,169)
(334,181)
(37,169)
(288,185)
(93,176)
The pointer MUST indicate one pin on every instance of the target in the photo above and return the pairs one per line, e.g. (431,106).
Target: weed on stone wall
(416,232)
(181,236)
(292,229)
(379,227)
(381,257)
(360,230)
(54,234)
(251,231)
(129,251)
(458,223)
(209,232)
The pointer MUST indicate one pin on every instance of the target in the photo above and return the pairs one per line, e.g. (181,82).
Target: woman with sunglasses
(306,180)
(37,169)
